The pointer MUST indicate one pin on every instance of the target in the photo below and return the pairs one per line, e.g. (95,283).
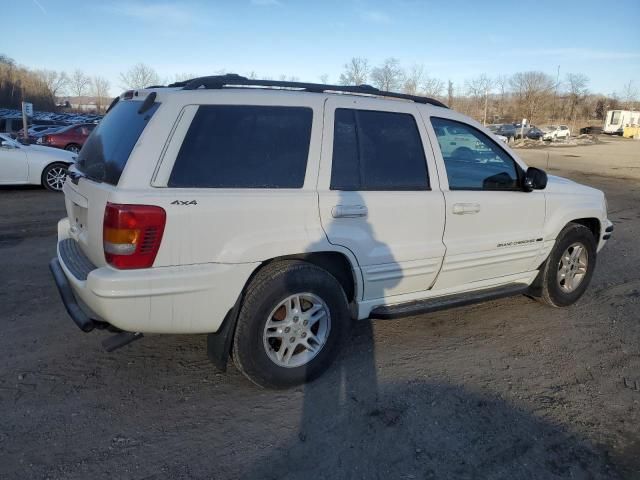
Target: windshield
(106,151)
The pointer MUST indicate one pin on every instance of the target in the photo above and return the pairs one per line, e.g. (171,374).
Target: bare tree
(139,76)
(56,82)
(388,76)
(413,80)
(630,94)
(100,90)
(478,89)
(181,77)
(531,91)
(79,83)
(432,87)
(324,78)
(577,91)
(356,72)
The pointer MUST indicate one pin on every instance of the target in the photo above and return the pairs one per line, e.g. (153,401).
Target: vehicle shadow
(352,426)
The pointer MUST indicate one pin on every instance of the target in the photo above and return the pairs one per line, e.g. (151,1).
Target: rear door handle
(465,208)
(349,211)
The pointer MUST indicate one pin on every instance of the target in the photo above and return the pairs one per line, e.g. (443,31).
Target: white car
(553,132)
(33,164)
(269,218)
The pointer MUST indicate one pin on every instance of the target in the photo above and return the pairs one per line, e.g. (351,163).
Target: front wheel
(72,147)
(53,176)
(292,320)
(569,268)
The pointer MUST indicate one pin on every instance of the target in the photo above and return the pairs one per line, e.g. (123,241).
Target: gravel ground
(506,389)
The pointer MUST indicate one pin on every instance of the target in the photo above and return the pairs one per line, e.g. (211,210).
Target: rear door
(493,227)
(379,195)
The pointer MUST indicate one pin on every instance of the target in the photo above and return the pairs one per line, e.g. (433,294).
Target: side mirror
(535,179)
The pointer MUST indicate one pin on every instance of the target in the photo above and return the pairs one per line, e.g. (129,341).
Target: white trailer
(616,120)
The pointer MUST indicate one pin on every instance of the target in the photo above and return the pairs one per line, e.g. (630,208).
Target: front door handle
(349,211)
(465,208)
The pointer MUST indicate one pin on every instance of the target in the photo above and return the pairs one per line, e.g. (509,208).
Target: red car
(70,138)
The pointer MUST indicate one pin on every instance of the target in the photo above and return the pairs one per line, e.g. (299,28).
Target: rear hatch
(98,169)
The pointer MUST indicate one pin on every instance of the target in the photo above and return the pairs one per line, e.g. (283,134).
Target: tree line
(534,95)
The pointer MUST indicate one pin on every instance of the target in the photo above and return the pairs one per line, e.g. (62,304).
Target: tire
(548,285)
(257,348)
(53,176)
(73,147)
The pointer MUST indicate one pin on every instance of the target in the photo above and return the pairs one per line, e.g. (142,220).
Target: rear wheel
(569,268)
(53,176)
(73,147)
(293,318)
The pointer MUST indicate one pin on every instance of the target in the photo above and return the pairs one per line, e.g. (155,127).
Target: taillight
(132,234)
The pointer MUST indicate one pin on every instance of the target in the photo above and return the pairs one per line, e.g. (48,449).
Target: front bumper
(606,234)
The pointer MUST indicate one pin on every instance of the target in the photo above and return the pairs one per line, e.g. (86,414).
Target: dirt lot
(507,389)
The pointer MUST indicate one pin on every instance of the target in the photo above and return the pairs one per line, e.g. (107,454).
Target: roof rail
(232,80)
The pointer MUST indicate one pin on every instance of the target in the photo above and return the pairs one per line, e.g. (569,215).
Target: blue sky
(453,39)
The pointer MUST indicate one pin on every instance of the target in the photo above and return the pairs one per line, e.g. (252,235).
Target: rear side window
(106,151)
(240,146)
(375,150)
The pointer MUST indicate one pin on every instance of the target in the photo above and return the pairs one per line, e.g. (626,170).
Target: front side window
(374,150)
(472,160)
(242,146)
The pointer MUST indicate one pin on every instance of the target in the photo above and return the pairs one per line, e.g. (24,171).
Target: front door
(379,195)
(493,227)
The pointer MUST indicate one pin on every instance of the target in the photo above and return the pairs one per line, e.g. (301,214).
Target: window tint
(241,146)
(377,151)
(473,161)
(106,151)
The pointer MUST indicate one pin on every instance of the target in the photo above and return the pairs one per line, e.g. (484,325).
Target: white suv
(553,132)
(269,214)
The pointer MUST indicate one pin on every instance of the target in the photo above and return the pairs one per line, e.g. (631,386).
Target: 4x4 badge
(184,202)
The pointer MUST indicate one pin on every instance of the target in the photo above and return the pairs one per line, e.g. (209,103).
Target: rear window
(242,146)
(106,151)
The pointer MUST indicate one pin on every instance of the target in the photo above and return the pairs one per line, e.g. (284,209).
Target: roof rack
(232,80)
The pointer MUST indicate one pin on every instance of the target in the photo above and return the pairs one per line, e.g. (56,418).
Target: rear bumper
(185,299)
(80,318)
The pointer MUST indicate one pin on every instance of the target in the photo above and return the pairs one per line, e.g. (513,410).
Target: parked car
(37,131)
(33,164)
(507,130)
(534,133)
(269,219)
(591,130)
(10,125)
(553,132)
(70,138)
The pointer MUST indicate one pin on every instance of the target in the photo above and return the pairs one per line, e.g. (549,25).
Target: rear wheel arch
(336,263)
